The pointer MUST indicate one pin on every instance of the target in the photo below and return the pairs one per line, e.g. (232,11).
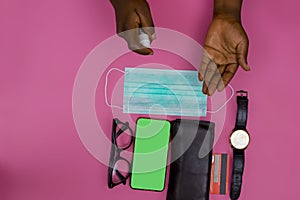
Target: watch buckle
(242,93)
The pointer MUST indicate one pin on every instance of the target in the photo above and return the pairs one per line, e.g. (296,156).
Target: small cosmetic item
(144,38)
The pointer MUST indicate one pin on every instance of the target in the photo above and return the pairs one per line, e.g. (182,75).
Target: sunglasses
(119,167)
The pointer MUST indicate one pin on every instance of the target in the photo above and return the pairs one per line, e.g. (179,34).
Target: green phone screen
(150,154)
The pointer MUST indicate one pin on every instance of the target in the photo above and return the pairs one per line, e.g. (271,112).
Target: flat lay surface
(42,46)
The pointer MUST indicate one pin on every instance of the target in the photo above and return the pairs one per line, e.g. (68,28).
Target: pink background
(43,43)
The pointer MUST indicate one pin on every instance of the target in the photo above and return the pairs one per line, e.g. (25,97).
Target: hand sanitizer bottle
(144,38)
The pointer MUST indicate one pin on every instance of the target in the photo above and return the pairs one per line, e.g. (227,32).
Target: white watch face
(239,139)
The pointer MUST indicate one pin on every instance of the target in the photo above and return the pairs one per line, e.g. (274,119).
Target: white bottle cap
(144,39)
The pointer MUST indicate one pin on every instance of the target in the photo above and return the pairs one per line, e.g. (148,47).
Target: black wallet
(191,148)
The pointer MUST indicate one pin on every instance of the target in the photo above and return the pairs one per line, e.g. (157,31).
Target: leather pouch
(191,148)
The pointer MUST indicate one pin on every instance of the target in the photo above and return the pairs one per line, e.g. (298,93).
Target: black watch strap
(242,110)
(237,173)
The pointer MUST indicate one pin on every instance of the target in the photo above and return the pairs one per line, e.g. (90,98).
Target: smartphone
(150,154)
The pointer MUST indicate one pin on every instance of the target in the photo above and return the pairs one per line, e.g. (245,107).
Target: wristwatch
(239,140)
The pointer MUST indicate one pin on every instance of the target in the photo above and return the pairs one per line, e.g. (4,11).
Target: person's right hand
(134,14)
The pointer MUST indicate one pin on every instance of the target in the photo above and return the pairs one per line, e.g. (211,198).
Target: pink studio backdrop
(42,45)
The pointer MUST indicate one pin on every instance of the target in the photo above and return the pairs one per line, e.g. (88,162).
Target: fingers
(213,84)
(140,49)
(203,66)
(150,32)
(146,22)
(227,76)
(209,73)
(131,37)
(242,52)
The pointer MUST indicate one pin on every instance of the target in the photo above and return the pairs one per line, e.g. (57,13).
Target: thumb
(242,53)
(150,32)
(131,37)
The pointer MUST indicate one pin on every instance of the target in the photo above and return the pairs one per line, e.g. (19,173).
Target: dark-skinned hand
(226,43)
(132,15)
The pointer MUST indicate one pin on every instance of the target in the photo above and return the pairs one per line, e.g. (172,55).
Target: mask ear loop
(105,88)
(221,107)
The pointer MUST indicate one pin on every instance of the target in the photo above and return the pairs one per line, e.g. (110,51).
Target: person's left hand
(227,46)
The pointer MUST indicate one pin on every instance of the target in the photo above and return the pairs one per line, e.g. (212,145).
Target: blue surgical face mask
(163,92)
